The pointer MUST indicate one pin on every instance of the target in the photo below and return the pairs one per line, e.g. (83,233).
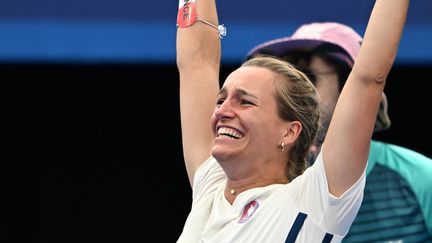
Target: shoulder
(208,177)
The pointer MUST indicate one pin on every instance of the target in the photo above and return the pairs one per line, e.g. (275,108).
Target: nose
(225,110)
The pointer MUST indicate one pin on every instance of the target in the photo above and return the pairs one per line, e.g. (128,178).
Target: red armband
(187,16)
(187,13)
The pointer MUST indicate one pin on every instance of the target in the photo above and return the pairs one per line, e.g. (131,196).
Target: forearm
(199,45)
(381,39)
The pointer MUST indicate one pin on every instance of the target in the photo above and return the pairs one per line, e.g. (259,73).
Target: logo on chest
(248,211)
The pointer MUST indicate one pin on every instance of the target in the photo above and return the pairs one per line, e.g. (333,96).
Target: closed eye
(220,101)
(246,102)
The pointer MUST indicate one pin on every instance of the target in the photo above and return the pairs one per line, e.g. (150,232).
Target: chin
(222,154)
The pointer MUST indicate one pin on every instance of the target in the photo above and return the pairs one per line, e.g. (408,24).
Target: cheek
(262,126)
(213,121)
(271,128)
(264,138)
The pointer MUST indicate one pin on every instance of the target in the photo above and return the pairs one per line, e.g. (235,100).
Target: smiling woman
(249,93)
(248,172)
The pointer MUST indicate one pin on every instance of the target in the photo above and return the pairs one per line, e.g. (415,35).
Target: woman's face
(245,123)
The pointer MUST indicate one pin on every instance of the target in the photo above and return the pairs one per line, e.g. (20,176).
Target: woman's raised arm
(198,62)
(346,146)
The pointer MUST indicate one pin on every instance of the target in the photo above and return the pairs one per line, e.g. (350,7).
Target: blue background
(133,31)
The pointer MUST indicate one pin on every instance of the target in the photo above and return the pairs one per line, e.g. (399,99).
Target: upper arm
(197,101)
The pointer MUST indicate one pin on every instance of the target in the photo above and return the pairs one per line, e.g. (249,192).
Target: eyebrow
(238,91)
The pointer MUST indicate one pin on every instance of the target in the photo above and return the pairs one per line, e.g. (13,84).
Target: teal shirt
(397,203)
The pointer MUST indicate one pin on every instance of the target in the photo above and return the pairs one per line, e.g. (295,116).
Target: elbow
(198,61)
(198,65)
(372,75)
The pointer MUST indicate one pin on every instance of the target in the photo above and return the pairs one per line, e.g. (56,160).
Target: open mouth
(229,133)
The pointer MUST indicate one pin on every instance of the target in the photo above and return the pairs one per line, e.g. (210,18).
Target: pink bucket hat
(310,36)
(342,41)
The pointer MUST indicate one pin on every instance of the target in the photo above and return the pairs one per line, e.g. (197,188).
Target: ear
(292,132)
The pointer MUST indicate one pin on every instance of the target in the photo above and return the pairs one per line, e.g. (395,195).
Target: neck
(234,189)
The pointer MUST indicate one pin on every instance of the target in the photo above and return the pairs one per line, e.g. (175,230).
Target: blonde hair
(297,100)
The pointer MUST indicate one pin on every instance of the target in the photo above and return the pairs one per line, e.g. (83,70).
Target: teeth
(224,131)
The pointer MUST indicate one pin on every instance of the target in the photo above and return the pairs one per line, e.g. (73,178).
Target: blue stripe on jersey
(327,238)
(295,229)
